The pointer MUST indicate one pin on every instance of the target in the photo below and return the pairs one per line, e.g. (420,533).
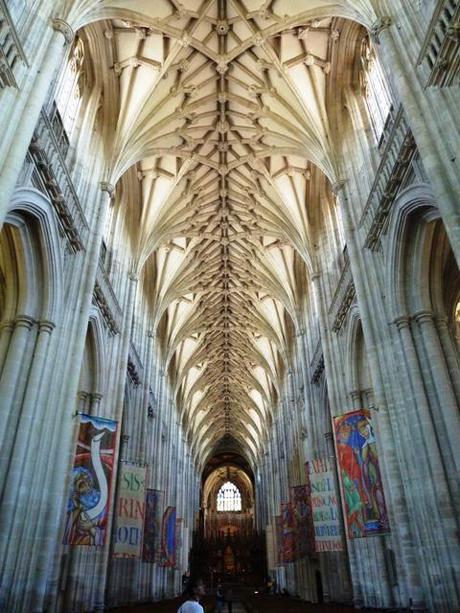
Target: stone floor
(248,604)
(281,604)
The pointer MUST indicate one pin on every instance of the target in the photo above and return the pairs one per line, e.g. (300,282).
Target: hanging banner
(303,522)
(151,546)
(88,504)
(288,532)
(168,538)
(130,511)
(278,538)
(325,508)
(179,527)
(361,483)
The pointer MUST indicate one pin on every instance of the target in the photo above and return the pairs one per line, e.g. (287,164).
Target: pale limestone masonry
(222,224)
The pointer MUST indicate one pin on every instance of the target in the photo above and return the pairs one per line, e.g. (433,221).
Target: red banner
(303,521)
(288,532)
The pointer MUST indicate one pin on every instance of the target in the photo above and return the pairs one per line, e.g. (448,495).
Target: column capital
(423,317)
(24,321)
(107,187)
(355,394)
(7,324)
(61,26)
(316,275)
(133,276)
(442,321)
(81,395)
(382,23)
(46,326)
(338,185)
(401,322)
(328,435)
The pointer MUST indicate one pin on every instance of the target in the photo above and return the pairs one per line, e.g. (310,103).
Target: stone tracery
(231,250)
(243,112)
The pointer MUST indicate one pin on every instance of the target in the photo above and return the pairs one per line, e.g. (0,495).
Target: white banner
(130,511)
(325,508)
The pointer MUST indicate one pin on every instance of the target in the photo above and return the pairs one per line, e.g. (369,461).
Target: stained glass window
(229,498)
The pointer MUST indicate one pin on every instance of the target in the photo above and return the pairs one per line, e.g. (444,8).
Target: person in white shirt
(195,592)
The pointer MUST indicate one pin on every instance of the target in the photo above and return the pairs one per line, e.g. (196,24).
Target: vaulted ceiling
(220,108)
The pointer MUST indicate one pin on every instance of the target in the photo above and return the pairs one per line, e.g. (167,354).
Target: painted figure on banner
(151,545)
(304,533)
(88,504)
(365,508)
(288,532)
(168,541)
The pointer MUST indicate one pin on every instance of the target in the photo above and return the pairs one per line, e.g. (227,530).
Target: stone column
(95,404)
(441,378)
(124,442)
(114,410)
(346,559)
(391,472)
(82,402)
(450,352)
(6,329)
(62,35)
(333,377)
(11,370)
(356,399)
(22,453)
(431,131)
(431,471)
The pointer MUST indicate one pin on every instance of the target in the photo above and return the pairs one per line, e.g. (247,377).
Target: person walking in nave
(194,592)
(220,600)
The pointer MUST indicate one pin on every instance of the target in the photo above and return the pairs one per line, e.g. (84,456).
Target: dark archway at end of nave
(227,547)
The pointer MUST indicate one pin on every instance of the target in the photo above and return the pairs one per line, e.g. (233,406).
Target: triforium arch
(230,235)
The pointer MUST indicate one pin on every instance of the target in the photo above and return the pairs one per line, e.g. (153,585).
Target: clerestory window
(376,91)
(69,90)
(229,498)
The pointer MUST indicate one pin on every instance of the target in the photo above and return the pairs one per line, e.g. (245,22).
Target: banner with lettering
(324,504)
(91,482)
(168,538)
(151,546)
(362,489)
(288,532)
(130,511)
(303,522)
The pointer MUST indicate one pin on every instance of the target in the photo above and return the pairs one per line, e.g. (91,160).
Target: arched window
(70,86)
(376,90)
(229,498)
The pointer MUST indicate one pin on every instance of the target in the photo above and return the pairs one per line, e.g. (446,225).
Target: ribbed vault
(224,157)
